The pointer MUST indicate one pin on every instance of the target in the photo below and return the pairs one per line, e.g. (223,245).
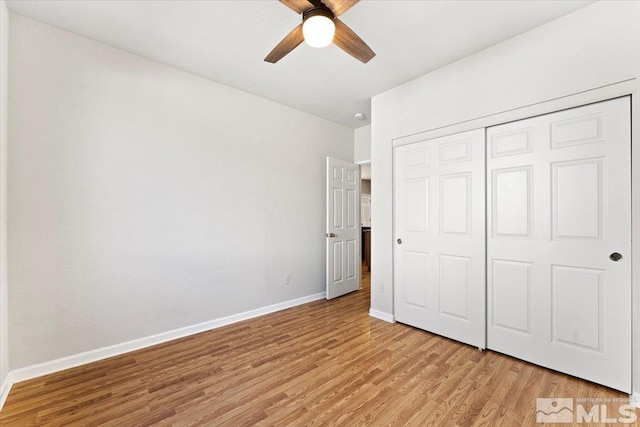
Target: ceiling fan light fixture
(318,27)
(320,24)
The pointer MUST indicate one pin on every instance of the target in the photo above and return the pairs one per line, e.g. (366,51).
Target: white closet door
(439,255)
(559,210)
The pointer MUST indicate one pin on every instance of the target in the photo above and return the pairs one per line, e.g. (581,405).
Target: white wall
(365,186)
(588,50)
(362,144)
(4,300)
(144,199)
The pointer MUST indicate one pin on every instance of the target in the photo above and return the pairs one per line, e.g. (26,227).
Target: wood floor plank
(322,363)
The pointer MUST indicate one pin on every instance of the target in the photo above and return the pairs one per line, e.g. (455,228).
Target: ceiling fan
(320,26)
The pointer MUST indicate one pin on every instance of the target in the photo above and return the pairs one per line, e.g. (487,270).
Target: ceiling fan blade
(349,41)
(298,6)
(338,7)
(290,42)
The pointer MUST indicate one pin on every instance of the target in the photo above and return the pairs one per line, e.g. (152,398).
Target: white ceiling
(226,41)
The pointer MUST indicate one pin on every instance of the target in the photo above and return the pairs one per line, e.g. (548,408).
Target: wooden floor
(323,363)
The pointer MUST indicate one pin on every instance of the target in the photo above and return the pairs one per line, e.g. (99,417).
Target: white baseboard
(5,388)
(73,361)
(634,399)
(382,315)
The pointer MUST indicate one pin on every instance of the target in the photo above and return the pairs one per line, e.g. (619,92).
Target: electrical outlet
(381,288)
(287,279)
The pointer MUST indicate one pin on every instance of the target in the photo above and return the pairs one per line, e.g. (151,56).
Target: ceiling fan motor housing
(317,11)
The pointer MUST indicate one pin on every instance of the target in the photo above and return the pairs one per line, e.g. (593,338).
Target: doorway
(365,219)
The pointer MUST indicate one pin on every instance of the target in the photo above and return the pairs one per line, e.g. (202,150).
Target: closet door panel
(559,197)
(439,254)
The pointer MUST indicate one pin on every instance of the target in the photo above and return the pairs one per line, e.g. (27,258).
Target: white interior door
(343,227)
(439,253)
(559,197)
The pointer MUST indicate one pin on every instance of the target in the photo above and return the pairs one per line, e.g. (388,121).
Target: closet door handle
(399,241)
(615,257)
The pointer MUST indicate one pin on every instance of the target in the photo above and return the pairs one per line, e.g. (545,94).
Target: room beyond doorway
(365,215)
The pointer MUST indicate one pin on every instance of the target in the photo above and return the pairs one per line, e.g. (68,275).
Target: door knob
(616,256)
(331,235)
(399,241)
